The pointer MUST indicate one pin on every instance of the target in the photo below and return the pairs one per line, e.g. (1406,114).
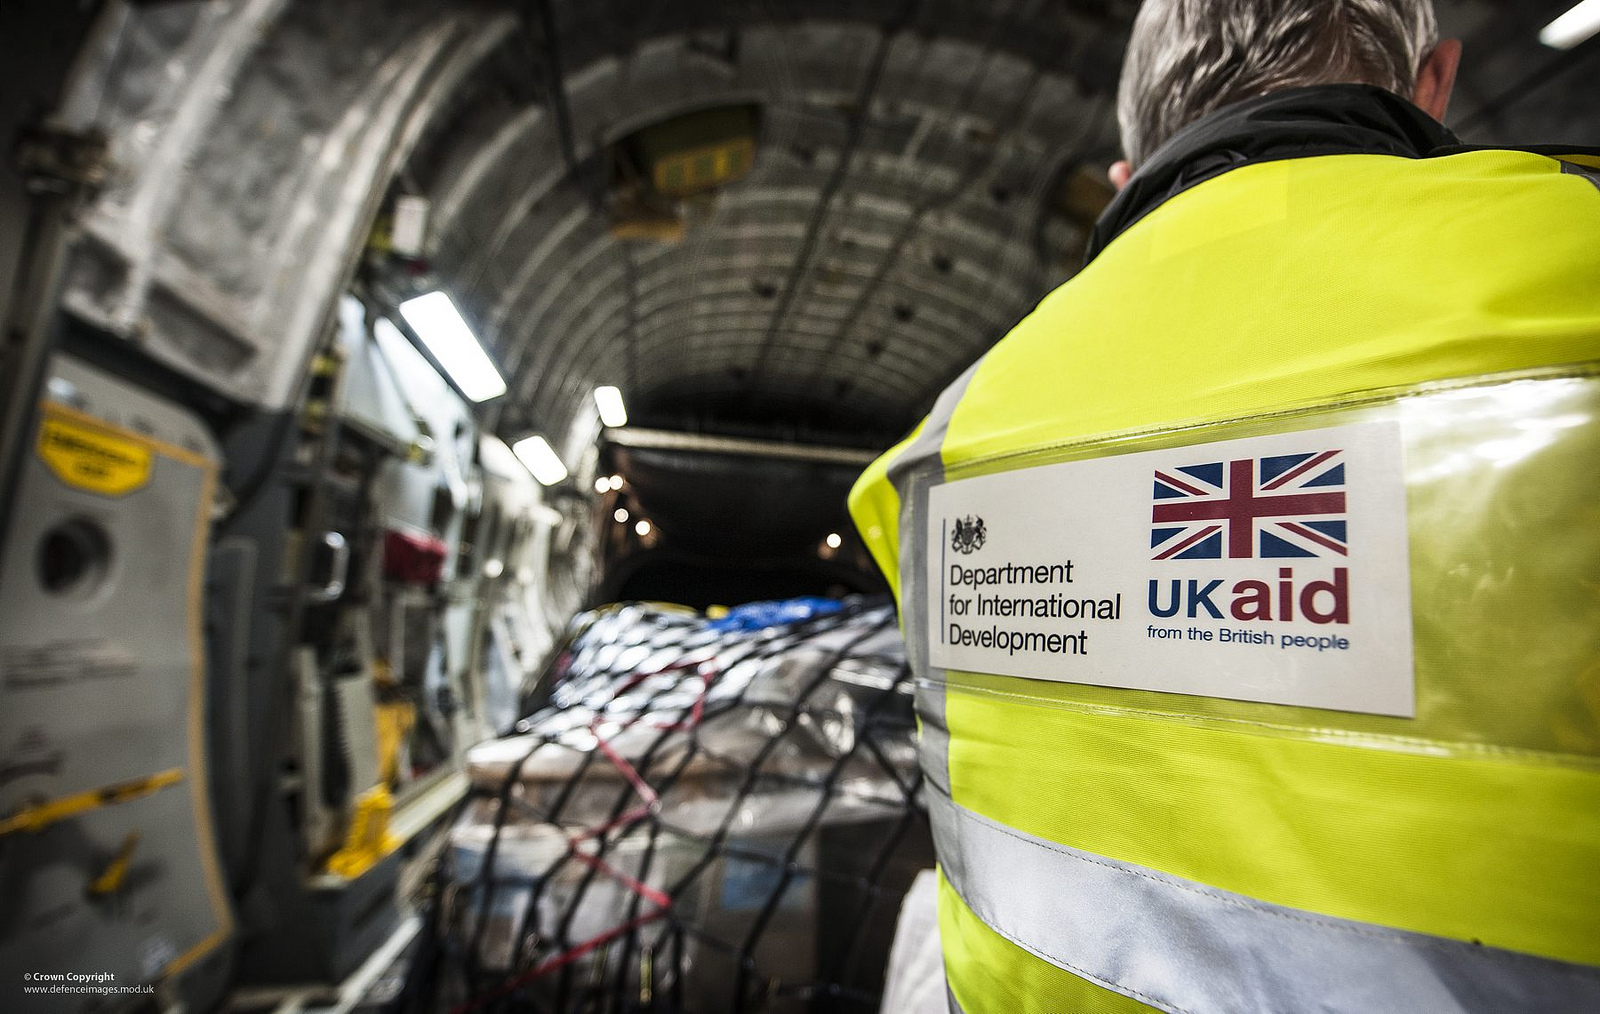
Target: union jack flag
(1275,507)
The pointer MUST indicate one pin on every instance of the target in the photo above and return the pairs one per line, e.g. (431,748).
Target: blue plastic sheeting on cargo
(761,615)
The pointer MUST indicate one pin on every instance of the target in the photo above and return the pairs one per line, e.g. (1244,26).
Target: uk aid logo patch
(1282,506)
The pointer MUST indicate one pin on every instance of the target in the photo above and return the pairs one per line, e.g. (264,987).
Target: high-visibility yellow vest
(1109,842)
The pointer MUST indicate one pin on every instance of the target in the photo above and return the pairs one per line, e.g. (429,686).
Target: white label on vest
(1268,569)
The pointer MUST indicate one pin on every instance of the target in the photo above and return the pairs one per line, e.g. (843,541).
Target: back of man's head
(1188,58)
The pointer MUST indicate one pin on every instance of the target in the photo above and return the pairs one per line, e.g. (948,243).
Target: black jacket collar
(1300,123)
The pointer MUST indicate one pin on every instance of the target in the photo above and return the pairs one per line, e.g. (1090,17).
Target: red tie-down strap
(649,800)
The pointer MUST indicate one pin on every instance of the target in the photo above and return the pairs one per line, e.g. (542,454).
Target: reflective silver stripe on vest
(911,473)
(949,995)
(1183,947)
(1574,169)
(934,745)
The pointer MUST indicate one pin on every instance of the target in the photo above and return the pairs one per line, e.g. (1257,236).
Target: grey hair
(1189,58)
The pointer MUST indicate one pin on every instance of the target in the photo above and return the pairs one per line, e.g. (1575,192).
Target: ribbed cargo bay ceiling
(791,219)
(895,220)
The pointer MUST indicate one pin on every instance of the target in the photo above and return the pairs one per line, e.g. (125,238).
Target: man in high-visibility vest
(1253,581)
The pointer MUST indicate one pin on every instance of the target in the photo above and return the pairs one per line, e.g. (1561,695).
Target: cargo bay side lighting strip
(608,400)
(540,459)
(1576,26)
(444,331)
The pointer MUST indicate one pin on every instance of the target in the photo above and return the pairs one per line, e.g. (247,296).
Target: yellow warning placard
(92,459)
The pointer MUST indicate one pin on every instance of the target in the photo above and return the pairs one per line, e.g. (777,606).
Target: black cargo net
(708,816)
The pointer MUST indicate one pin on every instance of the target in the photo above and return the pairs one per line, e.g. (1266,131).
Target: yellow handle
(39,816)
(110,881)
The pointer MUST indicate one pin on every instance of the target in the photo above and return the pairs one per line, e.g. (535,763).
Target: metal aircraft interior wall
(101,642)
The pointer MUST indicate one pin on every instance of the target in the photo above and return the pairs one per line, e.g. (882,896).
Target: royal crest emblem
(968,535)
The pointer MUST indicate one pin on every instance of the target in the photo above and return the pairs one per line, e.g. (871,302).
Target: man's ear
(1437,79)
(1120,173)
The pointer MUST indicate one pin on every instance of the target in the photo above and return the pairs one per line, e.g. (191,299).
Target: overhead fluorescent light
(609,401)
(438,323)
(410,229)
(1573,27)
(542,460)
